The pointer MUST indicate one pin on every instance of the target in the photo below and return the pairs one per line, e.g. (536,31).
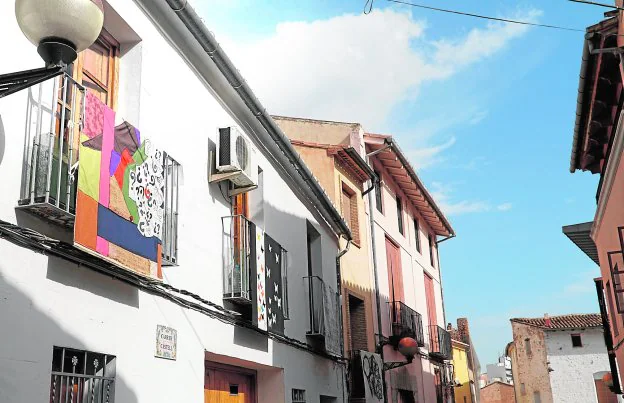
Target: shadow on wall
(26,356)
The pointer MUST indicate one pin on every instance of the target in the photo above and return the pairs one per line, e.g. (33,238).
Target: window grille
(378,194)
(173,174)
(298,396)
(285,305)
(82,376)
(616,265)
(417,234)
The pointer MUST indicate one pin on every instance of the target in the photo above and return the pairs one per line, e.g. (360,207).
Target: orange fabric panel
(159,262)
(85,228)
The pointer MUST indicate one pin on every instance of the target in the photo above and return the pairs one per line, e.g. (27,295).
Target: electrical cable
(485,17)
(37,242)
(594,3)
(368,7)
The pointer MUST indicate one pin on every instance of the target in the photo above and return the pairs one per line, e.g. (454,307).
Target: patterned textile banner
(120,197)
(275,312)
(372,367)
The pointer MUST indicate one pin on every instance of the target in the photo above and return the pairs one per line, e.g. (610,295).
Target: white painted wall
(572,377)
(46,302)
(415,265)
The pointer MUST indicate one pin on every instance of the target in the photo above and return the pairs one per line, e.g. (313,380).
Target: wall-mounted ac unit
(235,153)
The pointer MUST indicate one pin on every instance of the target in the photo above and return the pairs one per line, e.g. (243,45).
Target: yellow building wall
(462,375)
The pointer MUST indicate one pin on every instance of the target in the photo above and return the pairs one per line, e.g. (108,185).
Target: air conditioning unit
(236,154)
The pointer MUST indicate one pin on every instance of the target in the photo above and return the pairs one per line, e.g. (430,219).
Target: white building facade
(575,358)
(84,327)
(407,227)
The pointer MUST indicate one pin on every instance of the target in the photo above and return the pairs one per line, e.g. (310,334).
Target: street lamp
(60,29)
(408,347)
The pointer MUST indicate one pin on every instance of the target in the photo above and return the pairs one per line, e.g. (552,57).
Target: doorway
(225,384)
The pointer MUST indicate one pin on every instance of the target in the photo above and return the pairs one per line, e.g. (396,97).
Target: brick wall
(498,392)
(530,366)
(358,339)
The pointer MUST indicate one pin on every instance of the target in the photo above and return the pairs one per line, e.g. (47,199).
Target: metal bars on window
(54,110)
(236,258)
(82,377)
(172,173)
(284,264)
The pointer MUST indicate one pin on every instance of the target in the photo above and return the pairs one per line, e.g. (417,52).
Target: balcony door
(432,314)
(395,272)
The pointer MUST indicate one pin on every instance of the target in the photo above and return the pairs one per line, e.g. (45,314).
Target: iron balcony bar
(406,322)
(236,258)
(439,342)
(316,301)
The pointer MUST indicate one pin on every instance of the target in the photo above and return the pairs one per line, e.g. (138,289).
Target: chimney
(547,321)
(463,330)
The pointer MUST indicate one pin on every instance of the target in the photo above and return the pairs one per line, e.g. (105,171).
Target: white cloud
(504,207)
(442,195)
(425,157)
(358,67)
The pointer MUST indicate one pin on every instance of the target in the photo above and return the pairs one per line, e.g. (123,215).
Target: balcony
(323,309)
(54,113)
(406,322)
(439,343)
(237,259)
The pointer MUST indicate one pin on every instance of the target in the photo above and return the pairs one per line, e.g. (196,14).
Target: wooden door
(228,386)
(432,313)
(395,273)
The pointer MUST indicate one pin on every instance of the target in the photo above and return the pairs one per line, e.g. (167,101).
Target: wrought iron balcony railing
(439,342)
(54,113)
(236,259)
(406,322)
(323,312)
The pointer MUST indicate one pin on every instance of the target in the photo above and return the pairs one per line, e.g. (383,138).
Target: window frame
(417,234)
(354,220)
(378,192)
(527,347)
(617,280)
(431,248)
(576,336)
(399,207)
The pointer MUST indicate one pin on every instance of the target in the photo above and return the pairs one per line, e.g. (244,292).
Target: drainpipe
(340,303)
(371,221)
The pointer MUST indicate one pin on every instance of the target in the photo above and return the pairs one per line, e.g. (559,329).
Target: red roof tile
(572,321)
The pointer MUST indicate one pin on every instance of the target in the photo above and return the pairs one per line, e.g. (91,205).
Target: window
(233,390)
(358,339)
(536,397)
(378,194)
(576,340)
(399,206)
(96,68)
(522,389)
(431,248)
(527,346)
(349,206)
(616,265)
(82,375)
(172,172)
(406,396)
(298,396)
(417,234)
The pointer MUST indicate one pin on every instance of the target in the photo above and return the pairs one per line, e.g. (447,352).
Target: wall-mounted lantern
(408,347)
(60,29)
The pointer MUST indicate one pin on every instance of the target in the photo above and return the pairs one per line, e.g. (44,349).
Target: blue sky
(485,111)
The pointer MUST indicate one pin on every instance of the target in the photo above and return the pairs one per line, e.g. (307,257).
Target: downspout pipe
(341,303)
(371,221)
(289,158)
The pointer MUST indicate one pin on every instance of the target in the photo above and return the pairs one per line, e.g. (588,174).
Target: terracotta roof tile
(573,321)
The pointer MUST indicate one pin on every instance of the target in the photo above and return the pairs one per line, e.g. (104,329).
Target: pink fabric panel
(101,246)
(108,140)
(94,116)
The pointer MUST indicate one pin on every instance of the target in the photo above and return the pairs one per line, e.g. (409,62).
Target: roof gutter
(580,100)
(416,179)
(288,157)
